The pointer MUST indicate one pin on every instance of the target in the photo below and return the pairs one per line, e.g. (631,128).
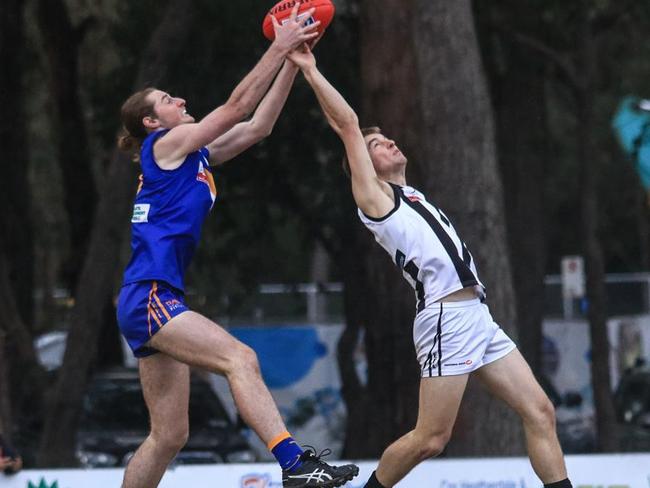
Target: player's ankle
(373,482)
(565,483)
(286,451)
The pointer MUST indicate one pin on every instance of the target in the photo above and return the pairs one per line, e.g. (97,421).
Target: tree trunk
(607,428)
(20,392)
(61,42)
(15,193)
(458,157)
(357,300)
(389,79)
(518,89)
(23,380)
(95,288)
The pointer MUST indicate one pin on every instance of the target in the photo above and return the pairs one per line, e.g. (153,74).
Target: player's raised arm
(372,195)
(186,138)
(245,134)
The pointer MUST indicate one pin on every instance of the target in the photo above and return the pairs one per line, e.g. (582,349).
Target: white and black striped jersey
(425,246)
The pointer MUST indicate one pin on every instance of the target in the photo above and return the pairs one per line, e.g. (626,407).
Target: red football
(282,10)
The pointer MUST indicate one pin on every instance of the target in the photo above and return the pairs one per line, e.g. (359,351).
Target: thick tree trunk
(389,81)
(95,288)
(518,82)
(15,193)
(458,157)
(61,42)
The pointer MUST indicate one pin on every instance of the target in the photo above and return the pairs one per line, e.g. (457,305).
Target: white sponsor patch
(140,213)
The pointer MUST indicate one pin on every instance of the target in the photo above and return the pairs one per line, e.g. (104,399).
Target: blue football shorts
(143,308)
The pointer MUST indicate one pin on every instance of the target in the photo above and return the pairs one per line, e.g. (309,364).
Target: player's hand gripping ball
(282,11)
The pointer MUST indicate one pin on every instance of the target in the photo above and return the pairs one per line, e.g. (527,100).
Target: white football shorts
(458,337)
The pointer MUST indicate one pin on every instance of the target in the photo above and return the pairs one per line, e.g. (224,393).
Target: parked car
(632,403)
(115,422)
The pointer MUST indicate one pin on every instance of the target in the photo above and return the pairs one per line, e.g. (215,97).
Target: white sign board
(573,277)
(593,471)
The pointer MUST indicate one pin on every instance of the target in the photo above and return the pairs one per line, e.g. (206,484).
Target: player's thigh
(166,390)
(195,340)
(440,398)
(511,379)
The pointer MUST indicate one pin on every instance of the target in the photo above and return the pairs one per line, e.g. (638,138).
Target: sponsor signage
(589,471)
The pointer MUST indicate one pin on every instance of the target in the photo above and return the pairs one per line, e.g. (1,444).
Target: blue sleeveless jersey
(168,215)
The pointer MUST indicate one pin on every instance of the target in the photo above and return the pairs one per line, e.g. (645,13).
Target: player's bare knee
(244,361)
(541,415)
(431,445)
(171,438)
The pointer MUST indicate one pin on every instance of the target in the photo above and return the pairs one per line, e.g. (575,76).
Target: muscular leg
(511,379)
(166,389)
(439,401)
(197,341)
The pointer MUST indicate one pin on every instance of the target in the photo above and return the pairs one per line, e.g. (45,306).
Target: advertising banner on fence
(308,392)
(596,471)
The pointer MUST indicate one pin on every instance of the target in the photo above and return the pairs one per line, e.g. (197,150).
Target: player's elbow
(349,122)
(261,130)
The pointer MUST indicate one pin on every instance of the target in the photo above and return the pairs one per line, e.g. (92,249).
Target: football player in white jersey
(454,333)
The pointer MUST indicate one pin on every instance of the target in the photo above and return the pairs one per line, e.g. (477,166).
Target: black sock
(565,483)
(373,483)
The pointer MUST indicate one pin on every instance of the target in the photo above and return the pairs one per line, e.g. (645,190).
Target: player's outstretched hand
(303,57)
(292,33)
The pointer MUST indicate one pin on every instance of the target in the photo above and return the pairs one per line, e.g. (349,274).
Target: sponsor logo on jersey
(173,304)
(200,176)
(140,213)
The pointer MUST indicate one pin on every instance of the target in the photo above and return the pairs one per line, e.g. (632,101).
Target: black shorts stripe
(434,358)
(440,341)
(465,273)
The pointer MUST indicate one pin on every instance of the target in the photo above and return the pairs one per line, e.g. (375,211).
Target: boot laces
(310,454)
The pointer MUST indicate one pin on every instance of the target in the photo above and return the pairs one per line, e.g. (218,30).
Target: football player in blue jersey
(176,193)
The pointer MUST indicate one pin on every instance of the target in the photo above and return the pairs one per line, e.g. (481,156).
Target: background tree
(21,377)
(573,42)
(61,422)
(518,82)
(15,191)
(61,41)
(421,80)
(459,147)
